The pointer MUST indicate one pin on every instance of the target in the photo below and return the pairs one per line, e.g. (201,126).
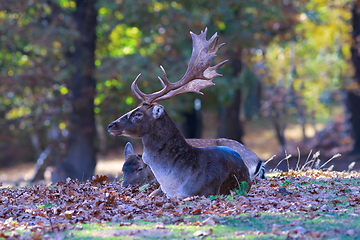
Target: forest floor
(308,204)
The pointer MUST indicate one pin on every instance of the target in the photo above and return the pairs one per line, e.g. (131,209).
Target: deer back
(253,162)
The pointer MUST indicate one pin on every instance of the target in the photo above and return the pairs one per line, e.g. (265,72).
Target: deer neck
(163,141)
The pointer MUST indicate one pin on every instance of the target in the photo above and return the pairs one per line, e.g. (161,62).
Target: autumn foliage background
(67,66)
(291,87)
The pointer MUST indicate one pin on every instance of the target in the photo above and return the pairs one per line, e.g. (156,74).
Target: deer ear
(157,111)
(128,149)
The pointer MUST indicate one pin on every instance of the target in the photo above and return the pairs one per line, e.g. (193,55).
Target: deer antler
(199,73)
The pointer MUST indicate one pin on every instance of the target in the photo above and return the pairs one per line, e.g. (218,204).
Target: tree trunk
(80,160)
(280,126)
(192,126)
(352,104)
(353,96)
(231,124)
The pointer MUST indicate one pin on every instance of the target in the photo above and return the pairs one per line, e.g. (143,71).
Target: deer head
(134,169)
(199,75)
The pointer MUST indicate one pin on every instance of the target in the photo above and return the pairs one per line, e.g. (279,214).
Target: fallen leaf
(315,234)
(201,233)
(37,235)
(283,191)
(350,232)
(209,221)
(159,225)
(299,230)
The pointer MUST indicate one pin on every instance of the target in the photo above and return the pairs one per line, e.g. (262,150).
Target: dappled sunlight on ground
(294,132)
(21,174)
(260,136)
(263,144)
(112,167)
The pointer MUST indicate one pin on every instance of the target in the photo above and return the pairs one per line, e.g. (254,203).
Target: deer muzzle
(114,128)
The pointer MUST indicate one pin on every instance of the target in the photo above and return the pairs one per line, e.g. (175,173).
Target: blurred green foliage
(316,61)
(137,36)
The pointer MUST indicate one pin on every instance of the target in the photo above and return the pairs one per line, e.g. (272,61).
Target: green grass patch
(261,226)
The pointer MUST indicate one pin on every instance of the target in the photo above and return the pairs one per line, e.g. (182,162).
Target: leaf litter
(41,211)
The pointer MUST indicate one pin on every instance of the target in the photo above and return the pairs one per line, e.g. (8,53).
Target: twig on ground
(307,159)
(297,164)
(286,158)
(335,156)
(270,159)
(315,156)
(351,166)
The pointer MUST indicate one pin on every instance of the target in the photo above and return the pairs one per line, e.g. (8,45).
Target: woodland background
(67,66)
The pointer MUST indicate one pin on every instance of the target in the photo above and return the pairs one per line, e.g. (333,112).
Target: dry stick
(315,156)
(303,167)
(307,159)
(330,168)
(335,156)
(297,164)
(237,180)
(240,187)
(351,166)
(270,159)
(287,160)
(287,157)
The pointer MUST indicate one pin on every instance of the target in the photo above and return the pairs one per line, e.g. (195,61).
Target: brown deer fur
(135,171)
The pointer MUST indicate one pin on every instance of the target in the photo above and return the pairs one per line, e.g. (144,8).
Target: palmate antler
(199,73)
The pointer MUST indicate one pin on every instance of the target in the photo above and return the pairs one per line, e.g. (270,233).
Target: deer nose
(111,125)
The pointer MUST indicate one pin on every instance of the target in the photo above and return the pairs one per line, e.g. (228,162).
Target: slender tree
(232,126)
(80,160)
(353,95)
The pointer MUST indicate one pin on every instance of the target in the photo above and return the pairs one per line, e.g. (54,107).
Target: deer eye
(137,116)
(139,169)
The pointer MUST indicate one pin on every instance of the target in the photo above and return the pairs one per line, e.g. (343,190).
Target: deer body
(181,169)
(196,173)
(137,172)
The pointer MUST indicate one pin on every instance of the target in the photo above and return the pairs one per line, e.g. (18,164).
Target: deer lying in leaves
(137,172)
(181,169)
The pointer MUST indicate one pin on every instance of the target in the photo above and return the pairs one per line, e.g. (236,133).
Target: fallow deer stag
(181,169)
